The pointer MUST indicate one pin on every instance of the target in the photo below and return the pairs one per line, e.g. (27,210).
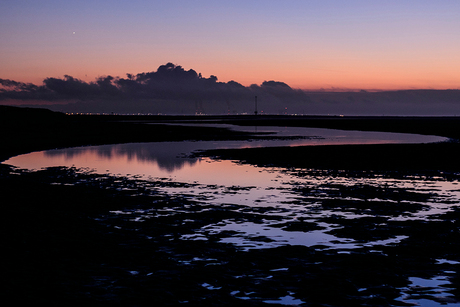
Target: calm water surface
(161,159)
(223,181)
(287,195)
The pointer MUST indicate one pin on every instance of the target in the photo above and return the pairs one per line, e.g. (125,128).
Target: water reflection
(166,158)
(253,208)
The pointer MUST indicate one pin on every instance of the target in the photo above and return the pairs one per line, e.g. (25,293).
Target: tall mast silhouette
(255,112)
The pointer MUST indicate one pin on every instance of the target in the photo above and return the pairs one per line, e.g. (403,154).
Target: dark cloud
(171,89)
(71,88)
(13,90)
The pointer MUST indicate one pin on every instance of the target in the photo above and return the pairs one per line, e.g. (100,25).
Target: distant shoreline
(27,130)
(66,241)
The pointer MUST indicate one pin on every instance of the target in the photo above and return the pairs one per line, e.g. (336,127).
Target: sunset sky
(307,44)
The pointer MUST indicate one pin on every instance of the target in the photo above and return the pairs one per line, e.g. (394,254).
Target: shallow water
(167,159)
(287,194)
(278,207)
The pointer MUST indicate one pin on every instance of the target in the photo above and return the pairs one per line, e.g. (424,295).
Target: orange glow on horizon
(353,45)
(334,76)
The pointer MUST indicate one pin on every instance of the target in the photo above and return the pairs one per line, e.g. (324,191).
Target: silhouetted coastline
(27,130)
(63,245)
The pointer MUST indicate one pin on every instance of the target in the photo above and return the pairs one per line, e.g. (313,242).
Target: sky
(307,44)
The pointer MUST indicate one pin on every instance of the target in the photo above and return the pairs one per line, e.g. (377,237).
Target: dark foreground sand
(63,248)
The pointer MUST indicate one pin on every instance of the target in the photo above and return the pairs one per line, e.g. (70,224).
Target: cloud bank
(173,90)
(169,89)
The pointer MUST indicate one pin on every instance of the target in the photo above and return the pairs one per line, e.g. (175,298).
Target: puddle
(430,292)
(285,300)
(259,236)
(264,208)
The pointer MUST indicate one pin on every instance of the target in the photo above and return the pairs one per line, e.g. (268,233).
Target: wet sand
(76,238)
(65,246)
(424,158)
(26,130)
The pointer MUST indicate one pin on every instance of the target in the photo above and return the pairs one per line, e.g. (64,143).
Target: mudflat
(25,130)
(73,237)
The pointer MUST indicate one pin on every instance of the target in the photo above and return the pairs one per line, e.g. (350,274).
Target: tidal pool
(264,208)
(171,159)
(286,194)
